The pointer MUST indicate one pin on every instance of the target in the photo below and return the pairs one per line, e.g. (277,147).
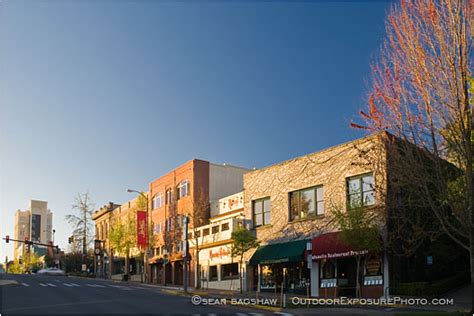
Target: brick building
(176,194)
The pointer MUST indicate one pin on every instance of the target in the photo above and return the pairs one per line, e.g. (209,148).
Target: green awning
(286,252)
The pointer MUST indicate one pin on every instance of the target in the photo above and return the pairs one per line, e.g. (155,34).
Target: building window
(157,228)
(190,235)
(215,229)
(205,232)
(169,196)
(212,273)
(261,212)
(183,189)
(224,227)
(229,271)
(306,202)
(360,191)
(157,201)
(197,234)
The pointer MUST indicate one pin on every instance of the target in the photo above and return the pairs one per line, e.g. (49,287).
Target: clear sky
(105,95)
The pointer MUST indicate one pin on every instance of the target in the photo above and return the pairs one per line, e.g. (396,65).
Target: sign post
(185,254)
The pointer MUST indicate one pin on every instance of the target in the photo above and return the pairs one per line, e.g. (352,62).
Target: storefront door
(346,277)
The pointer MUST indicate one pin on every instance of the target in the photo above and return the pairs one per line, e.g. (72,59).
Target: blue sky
(102,96)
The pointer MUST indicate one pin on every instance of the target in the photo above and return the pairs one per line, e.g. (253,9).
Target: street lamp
(145,256)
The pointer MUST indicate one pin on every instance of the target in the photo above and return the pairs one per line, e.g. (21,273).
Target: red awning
(330,245)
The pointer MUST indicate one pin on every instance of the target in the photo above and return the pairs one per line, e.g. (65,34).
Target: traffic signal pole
(29,242)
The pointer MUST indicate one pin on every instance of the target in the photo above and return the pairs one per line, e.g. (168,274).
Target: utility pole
(185,254)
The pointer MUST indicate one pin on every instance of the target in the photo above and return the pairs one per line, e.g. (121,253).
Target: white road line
(51,284)
(42,284)
(25,284)
(74,284)
(68,285)
(94,285)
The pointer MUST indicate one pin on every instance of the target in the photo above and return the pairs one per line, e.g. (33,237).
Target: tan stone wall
(330,168)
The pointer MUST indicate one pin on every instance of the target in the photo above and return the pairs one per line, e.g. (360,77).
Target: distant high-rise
(36,223)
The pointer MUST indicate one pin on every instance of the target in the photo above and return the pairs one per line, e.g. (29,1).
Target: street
(35,294)
(68,295)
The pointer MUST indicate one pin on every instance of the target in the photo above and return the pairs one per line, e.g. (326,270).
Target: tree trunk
(127,266)
(470,188)
(240,273)
(198,269)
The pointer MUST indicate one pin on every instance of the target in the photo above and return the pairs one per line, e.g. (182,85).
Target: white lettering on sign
(349,253)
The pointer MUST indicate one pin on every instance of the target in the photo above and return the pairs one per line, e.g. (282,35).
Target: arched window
(183,188)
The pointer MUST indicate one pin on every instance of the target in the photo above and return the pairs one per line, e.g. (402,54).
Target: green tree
(360,231)
(243,241)
(122,237)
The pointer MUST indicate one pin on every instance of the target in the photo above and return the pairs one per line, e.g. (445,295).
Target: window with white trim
(158,201)
(183,189)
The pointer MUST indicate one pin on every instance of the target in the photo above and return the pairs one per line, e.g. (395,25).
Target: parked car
(51,271)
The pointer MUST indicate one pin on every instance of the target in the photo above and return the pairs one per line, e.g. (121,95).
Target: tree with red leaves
(419,92)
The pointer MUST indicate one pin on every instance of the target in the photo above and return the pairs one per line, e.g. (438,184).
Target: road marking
(24,284)
(68,285)
(94,285)
(42,284)
(51,284)
(121,287)
(74,284)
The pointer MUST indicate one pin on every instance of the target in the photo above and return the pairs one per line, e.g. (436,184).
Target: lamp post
(145,256)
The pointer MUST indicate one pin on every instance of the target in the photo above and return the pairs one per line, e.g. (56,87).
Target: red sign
(141,230)
(222,252)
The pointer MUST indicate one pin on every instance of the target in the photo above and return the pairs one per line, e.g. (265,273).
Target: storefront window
(328,273)
(267,278)
(296,276)
(373,273)
(212,273)
(230,271)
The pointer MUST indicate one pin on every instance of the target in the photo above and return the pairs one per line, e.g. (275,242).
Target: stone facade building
(292,202)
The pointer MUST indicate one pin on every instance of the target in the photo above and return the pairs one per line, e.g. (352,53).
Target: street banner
(141,230)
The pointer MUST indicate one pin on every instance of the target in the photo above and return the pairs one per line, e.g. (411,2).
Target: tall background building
(36,223)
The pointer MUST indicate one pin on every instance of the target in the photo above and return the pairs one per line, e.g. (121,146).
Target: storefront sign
(349,253)
(222,252)
(141,230)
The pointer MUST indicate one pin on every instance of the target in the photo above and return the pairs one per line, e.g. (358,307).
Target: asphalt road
(67,295)
(36,294)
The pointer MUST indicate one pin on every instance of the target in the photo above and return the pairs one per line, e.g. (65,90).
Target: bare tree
(420,93)
(82,222)
(198,217)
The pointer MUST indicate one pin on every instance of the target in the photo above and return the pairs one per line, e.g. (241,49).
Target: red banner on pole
(141,230)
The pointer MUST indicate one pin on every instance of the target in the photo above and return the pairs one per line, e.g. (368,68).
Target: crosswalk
(91,285)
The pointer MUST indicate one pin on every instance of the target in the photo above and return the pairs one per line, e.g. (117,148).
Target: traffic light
(7,238)
(71,239)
